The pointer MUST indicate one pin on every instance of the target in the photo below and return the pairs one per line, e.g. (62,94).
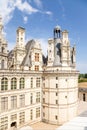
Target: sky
(39,17)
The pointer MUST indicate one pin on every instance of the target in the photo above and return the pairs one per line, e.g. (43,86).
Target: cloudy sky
(39,17)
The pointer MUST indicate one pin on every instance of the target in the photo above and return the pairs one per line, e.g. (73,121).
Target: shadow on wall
(85,128)
(84,114)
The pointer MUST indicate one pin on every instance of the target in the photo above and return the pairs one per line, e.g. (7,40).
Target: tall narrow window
(37,112)
(37,97)
(22,100)
(13,102)
(56,94)
(43,100)
(13,83)
(31,114)
(56,85)
(36,56)
(31,98)
(56,78)
(37,82)
(83,96)
(56,117)
(22,83)
(21,118)
(56,101)
(4,84)
(4,103)
(2,64)
(31,82)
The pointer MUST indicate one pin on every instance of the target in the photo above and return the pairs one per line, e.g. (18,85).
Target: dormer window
(36,56)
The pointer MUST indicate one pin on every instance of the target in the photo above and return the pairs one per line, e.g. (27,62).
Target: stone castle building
(36,88)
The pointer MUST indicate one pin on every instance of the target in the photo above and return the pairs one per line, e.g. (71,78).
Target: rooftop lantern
(57,32)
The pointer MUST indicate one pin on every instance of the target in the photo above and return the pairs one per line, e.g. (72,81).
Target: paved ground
(43,126)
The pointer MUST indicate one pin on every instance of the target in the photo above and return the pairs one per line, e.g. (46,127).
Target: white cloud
(25,18)
(25,7)
(7,8)
(38,3)
(48,12)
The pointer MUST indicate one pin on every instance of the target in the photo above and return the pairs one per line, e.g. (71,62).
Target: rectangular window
(37,82)
(37,97)
(36,67)
(22,100)
(37,112)
(31,98)
(13,117)
(13,102)
(56,117)
(56,94)
(56,101)
(43,100)
(36,56)
(21,118)
(31,114)
(84,97)
(4,123)
(43,114)
(56,78)
(56,85)
(4,103)
(31,82)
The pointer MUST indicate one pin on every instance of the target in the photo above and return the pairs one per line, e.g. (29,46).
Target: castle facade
(36,88)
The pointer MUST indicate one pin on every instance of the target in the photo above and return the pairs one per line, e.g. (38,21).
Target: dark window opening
(83,96)
(14,124)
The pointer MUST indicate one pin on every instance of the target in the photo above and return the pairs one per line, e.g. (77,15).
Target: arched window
(4,84)
(22,83)
(13,83)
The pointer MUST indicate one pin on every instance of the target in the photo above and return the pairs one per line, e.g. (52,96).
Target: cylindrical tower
(60,96)
(60,85)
